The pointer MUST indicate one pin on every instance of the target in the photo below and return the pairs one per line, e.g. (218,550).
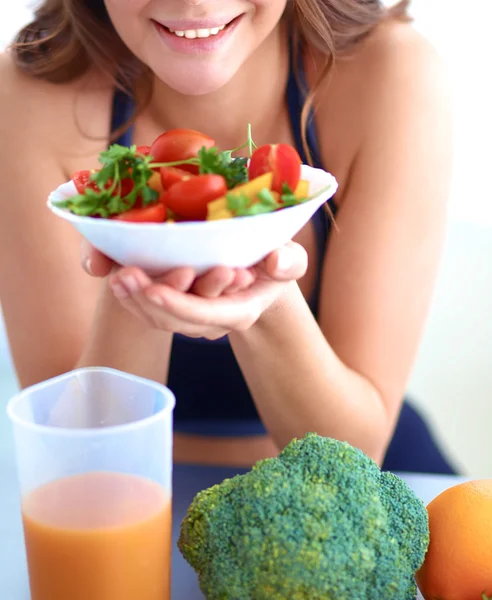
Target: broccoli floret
(319,522)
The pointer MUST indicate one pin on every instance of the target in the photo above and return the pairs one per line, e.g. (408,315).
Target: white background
(452,380)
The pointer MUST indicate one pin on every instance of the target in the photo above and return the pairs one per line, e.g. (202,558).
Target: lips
(192,37)
(196,24)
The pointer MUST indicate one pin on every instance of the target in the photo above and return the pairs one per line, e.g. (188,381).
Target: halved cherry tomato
(180,144)
(280,159)
(153,213)
(189,198)
(143,150)
(172,175)
(82,181)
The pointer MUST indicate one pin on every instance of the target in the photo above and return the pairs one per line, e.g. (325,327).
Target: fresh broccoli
(319,522)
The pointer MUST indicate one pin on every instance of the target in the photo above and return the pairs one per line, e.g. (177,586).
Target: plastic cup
(94,462)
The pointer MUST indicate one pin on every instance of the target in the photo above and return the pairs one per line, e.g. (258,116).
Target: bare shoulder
(394,41)
(404,83)
(65,120)
(395,59)
(396,77)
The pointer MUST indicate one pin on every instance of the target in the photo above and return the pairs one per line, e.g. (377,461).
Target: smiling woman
(322,334)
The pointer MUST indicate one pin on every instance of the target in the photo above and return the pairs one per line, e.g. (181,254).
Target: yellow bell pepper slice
(221,213)
(155,183)
(217,209)
(302,189)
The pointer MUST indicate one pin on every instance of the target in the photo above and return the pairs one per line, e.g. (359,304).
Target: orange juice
(99,536)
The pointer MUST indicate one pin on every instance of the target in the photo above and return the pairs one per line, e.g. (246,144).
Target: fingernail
(284,262)
(88,265)
(156,299)
(119,291)
(131,283)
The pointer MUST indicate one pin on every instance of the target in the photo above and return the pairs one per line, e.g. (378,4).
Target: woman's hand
(211,305)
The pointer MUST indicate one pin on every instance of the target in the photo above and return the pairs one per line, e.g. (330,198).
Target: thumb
(94,262)
(287,263)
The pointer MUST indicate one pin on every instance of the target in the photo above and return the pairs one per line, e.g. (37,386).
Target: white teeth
(191,34)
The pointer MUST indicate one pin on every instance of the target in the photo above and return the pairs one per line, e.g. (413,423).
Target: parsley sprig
(234,170)
(119,165)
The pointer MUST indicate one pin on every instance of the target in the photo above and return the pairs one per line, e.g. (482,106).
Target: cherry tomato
(126,187)
(280,159)
(189,198)
(172,175)
(153,213)
(180,144)
(82,181)
(144,150)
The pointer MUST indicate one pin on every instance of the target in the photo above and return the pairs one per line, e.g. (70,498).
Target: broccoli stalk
(319,522)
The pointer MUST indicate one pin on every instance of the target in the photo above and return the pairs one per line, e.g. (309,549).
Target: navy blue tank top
(212,397)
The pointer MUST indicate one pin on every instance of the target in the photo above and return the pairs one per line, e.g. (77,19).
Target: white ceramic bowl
(237,242)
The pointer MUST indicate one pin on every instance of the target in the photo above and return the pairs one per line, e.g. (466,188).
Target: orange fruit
(458,563)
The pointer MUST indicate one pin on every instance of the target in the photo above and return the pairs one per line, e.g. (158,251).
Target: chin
(195,81)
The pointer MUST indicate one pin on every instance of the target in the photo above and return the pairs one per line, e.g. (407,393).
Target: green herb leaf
(242,206)
(258,209)
(233,170)
(237,203)
(266,198)
(148,195)
(288,197)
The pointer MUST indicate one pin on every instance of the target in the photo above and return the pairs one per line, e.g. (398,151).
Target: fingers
(162,305)
(179,279)
(213,283)
(287,263)
(151,303)
(227,312)
(223,280)
(243,280)
(124,285)
(221,300)
(143,297)
(93,262)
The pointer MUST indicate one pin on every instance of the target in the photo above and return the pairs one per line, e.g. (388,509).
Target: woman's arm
(57,316)
(346,378)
